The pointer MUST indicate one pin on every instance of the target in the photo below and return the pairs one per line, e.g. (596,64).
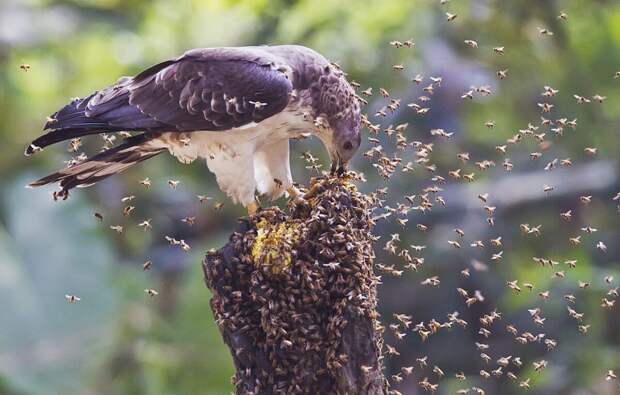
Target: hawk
(236,107)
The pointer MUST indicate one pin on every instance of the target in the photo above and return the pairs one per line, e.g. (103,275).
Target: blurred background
(118,340)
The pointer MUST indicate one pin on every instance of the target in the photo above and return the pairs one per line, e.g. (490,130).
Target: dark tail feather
(70,122)
(115,160)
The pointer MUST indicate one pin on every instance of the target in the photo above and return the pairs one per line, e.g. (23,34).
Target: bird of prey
(236,108)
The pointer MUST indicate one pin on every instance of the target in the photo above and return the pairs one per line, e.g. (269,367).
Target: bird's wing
(205,89)
(214,89)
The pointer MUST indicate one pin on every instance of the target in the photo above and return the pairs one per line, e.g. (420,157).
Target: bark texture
(294,296)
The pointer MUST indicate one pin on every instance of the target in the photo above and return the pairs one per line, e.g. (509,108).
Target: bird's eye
(348,145)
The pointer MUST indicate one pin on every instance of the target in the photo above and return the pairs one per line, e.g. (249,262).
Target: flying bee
(189,220)
(117,228)
(72,298)
(471,43)
(146,183)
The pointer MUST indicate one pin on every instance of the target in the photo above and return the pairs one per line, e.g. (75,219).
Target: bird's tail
(68,123)
(115,160)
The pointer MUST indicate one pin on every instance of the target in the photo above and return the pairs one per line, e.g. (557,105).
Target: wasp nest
(294,296)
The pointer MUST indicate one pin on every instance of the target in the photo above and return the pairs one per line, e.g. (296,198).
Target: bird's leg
(252,208)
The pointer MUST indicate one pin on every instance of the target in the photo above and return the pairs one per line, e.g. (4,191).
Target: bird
(235,107)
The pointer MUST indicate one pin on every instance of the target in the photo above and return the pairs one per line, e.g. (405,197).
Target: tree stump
(294,296)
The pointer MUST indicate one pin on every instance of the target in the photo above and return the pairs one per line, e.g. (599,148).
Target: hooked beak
(339,167)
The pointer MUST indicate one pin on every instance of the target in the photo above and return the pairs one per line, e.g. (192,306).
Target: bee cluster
(295,296)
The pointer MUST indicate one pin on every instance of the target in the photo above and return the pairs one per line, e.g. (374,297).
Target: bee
(454,243)
(203,198)
(407,370)
(189,220)
(581,99)
(502,74)
(146,183)
(117,228)
(543,31)
(151,292)
(468,95)
(98,216)
(450,17)
(146,224)
(477,243)
(147,265)
(590,151)
(498,50)
(545,107)
(471,43)
(72,298)
(540,365)
(24,67)
(601,246)
(257,104)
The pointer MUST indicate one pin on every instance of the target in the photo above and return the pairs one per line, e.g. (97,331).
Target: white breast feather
(248,158)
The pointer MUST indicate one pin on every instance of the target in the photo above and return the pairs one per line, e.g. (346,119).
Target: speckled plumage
(234,107)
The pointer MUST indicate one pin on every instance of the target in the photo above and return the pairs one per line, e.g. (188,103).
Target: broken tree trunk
(294,297)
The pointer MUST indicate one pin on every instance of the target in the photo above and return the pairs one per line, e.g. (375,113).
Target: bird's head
(346,140)
(337,116)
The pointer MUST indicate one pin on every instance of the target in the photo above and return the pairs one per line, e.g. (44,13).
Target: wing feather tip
(32,149)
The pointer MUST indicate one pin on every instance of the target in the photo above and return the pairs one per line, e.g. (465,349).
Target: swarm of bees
(298,319)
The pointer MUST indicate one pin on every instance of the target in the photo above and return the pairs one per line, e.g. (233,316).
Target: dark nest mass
(294,296)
